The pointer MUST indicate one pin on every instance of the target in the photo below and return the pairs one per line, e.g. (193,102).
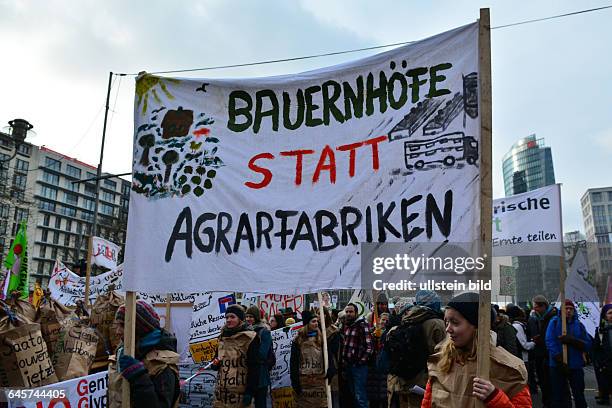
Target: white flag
(104,253)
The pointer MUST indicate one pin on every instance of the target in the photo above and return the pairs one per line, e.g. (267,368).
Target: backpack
(270,361)
(407,350)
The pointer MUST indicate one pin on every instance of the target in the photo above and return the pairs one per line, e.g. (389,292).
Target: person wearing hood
(578,341)
(152,372)
(356,351)
(408,360)
(538,322)
(237,362)
(307,366)
(452,369)
(253,319)
(602,355)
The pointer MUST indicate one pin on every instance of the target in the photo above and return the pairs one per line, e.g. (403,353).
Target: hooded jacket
(454,389)
(159,386)
(576,330)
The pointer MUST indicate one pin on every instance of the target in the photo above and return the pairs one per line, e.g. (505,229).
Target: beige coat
(312,375)
(232,375)
(454,389)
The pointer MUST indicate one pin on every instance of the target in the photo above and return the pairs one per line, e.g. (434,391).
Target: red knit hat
(147,318)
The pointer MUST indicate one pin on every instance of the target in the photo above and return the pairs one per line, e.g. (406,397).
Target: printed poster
(529,223)
(207,321)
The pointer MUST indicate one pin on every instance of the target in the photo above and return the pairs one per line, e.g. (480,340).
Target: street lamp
(19,131)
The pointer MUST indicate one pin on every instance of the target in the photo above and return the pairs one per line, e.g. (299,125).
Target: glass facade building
(527,166)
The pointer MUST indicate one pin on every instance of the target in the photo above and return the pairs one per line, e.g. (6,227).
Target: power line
(249,64)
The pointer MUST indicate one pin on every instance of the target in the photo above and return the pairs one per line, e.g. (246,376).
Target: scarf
(227,332)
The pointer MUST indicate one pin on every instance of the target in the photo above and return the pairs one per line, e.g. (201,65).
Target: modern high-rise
(597,216)
(527,166)
(37,186)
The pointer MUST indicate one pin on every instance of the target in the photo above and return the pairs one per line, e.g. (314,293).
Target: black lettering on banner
(324,230)
(177,235)
(377,92)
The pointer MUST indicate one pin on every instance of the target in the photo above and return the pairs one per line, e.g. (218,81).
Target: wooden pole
(88,271)
(486,188)
(129,341)
(562,276)
(167,323)
(325,352)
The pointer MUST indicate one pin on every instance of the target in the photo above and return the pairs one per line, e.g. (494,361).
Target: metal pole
(99,170)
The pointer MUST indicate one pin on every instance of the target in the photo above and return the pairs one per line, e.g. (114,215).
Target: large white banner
(82,392)
(271,184)
(528,224)
(67,287)
(104,253)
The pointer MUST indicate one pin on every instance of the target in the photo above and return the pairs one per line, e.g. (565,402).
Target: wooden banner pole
(486,188)
(325,351)
(129,341)
(167,323)
(562,277)
(88,271)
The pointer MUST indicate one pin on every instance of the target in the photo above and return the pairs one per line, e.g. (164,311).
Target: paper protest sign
(207,321)
(281,342)
(271,184)
(528,224)
(200,391)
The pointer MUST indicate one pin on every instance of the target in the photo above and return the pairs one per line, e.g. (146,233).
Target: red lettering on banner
(326,161)
(266,173)
(65,402)
(299,154)
(82,388)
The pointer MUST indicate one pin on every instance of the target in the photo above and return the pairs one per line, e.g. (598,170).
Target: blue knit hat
(429,299)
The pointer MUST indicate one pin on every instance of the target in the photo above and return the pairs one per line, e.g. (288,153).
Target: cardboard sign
(271,184)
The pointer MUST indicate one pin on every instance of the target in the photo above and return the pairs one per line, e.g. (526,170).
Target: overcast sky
(551,78)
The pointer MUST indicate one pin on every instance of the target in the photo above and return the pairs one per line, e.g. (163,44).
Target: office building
(597,216)
(38,186)
(527,166)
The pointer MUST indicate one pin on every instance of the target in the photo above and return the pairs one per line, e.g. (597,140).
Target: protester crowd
(422,354)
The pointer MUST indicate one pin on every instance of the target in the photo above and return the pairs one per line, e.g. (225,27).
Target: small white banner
(104,253)
(67,287)
(582,293)
(528,224)
(82,392)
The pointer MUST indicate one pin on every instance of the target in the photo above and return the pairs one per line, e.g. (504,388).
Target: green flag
(16,264)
